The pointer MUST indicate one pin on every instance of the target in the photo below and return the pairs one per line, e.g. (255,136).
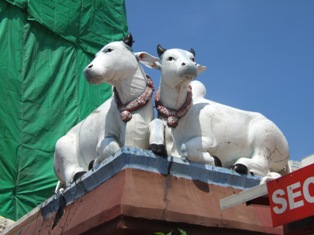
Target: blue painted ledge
(134,158)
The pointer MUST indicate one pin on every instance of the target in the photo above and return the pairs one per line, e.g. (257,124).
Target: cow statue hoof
(91,165)
(240,168)
(78,175)
(217,161)
(158,149)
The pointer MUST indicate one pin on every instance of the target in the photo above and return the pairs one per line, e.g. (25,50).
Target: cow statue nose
(90,66)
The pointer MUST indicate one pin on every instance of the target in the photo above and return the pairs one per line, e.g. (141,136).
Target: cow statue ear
(200,68)
(148,60)
(128,40)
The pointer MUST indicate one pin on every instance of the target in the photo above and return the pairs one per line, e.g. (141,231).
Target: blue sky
(259,54)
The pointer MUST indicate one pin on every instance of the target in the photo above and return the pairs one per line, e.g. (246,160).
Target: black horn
(160,50)
(192,51)
(128,40)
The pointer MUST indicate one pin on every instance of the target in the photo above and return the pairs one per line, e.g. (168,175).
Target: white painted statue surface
(189,126)
(122,120)
(201,130)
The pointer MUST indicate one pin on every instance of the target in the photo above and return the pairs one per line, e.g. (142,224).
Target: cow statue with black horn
(123,120)
(194,128)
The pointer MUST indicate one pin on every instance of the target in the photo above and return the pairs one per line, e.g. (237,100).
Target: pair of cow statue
(188,125)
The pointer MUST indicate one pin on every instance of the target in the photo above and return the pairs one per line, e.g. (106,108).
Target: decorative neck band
(174,115)
(126,109)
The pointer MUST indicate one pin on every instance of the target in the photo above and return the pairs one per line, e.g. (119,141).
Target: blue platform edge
(134,158)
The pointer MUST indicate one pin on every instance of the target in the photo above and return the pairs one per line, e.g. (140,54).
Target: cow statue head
(116,61)
(178,65)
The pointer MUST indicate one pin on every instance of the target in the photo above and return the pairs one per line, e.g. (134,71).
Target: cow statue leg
(257,165)
(196,149)
(157,137)
(66,163)
(106,147)
(269,153)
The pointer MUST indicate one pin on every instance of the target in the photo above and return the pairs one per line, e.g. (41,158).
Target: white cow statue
(123,120)
(200,130)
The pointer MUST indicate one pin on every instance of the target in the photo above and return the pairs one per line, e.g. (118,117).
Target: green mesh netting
(44,47)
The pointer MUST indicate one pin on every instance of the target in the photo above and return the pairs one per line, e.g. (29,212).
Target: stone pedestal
(136,192)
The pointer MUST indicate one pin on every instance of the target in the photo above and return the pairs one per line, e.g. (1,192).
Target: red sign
(291,197)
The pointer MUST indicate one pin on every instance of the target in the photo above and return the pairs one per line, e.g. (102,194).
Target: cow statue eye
(192,59)
(171,58)
(108,50)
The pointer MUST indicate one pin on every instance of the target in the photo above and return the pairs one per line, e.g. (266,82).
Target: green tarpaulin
(44,47)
